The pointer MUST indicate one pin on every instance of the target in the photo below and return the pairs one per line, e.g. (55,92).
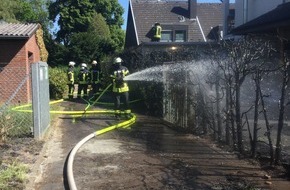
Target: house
(181,21)
(21,45)
(247,10)
(275,23)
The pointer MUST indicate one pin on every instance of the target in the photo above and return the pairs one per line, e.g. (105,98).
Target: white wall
(255,9)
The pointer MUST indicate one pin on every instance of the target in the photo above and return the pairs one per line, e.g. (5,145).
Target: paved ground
(149,155)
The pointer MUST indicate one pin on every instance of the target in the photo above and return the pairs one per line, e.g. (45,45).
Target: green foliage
(7,10)
(12,175)
(86,46)
(74,16)
(26,12)
(57,82)
(111,10)
(58,53)
(118,38)
(33,11)
(15,124)
(99,26)
(87,30)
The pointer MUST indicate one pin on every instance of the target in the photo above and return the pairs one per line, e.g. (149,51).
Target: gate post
(40,98)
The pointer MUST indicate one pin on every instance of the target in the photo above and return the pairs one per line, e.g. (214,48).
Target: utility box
(40,98)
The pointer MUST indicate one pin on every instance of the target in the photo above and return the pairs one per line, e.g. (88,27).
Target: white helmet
(94,62)
(84,65)
(118,60)
(71,63)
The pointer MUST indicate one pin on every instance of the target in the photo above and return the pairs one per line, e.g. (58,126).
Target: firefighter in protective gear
(71,80)
(120,87)
(95,77)
(83,81)
(156,32)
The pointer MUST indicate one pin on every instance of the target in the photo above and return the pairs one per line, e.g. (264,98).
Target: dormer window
(180,36)
(174,33)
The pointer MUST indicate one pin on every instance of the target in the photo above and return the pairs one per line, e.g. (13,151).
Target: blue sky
(124,4)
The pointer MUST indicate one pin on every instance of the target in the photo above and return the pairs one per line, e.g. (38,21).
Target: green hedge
(57,82)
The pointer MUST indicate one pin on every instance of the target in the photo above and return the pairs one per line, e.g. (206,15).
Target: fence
(15,85)
(16,100)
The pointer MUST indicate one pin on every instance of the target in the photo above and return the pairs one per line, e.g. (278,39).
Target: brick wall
(15,59)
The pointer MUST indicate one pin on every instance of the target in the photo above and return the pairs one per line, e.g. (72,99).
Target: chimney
(192,9)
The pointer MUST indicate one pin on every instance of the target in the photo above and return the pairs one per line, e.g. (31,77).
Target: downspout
(134,23)
(200,29)
(226,17)
(245,11)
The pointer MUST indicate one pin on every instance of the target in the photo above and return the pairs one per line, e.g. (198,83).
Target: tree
(7,10)
(86,46)
(118,37)
(76,15)
(285,70)
(243,55)
(111,11)
(33,11)
(99,26)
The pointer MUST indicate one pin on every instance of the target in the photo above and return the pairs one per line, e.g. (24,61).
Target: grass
(14,124)
(12,175)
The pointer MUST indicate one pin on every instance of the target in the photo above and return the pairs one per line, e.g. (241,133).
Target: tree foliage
(111,11)
(89,29)
(7,10)
(74,16)
(99,26)
(33,11)
(77,15)
(86,46)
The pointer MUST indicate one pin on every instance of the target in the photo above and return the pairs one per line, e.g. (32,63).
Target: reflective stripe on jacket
(121,72)
(84,77)
(70,75)
(157,32)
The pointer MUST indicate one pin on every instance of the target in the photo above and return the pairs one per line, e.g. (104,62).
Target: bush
(57,82)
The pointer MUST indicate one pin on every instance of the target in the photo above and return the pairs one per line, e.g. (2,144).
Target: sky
(125,4)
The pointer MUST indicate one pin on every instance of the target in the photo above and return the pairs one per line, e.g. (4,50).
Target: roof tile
(146,13)
(17,30)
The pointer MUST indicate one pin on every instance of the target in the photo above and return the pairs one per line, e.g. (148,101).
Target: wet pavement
(148,155)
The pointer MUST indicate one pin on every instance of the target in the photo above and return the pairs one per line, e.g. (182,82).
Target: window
(180,36)
(174,33)
(166,36)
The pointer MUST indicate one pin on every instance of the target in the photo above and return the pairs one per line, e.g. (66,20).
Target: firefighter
(156,32)
(71,80)
(83,81)
(120,87)
(95,78)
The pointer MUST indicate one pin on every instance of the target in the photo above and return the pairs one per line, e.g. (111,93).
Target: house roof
(268,22)
(146,13)
(17,30)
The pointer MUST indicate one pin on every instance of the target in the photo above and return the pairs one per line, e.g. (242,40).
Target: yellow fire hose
(72,154)
(122,124)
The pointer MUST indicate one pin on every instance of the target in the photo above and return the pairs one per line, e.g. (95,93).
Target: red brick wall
(15,66)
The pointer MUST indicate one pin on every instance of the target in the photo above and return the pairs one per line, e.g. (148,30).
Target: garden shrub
(57,82)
